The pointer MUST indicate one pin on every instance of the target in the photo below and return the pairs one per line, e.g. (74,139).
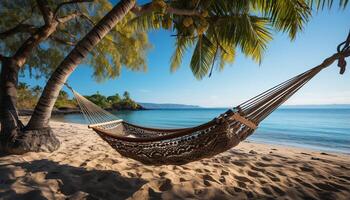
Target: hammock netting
(154,146)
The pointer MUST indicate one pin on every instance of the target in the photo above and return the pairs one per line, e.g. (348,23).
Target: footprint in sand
(238,163)
(254,174)
(258,169)
(222,179)
(165,185)
(182,179)
(243,179)
(206,183)
(303,183)
(278,190)
(267,190)
(306,169)
(161,174)
(209,178)
(241,184)
(224,173)
(265,158)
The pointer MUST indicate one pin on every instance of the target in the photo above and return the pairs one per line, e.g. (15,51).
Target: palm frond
(146,22)
(289,16)
(251,33)
(202,57)
(182,43)
(226,56)
(321,4)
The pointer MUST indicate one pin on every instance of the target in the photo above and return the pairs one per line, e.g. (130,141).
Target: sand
(85,167)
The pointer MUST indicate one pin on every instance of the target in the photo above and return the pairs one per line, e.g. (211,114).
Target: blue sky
(239,81)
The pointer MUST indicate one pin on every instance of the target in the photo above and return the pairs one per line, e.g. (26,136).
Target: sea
(325,128)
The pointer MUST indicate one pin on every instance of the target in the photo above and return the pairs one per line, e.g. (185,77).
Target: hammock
(153,146)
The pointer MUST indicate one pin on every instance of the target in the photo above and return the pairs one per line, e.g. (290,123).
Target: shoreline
(68,111)
(86,167)
(301,147)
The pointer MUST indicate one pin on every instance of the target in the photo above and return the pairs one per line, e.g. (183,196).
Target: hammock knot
(344,51)
(220,119)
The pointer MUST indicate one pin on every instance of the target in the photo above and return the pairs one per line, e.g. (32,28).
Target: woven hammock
(153,146)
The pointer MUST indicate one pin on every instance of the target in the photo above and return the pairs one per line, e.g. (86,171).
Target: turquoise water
(325,129)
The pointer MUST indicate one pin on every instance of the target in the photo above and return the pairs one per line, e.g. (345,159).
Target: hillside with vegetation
(28,97)
(114,102)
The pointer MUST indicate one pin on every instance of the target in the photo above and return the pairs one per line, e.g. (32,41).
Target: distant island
(167,106)
(28,97)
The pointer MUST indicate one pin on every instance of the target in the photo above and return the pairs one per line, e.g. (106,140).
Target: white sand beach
(86,167)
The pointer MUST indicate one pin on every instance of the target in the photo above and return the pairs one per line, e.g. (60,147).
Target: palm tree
(42,111)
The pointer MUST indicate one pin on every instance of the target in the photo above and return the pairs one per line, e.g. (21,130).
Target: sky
(239,81)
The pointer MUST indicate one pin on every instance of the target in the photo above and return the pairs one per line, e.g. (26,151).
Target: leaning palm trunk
(8,99)
(43,109)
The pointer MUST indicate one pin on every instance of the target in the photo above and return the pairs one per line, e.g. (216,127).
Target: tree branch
(20,28)
(66,18)
(139,10)
(148,7)
(82,15)
(70,2)
(177,11)
(45,10)
(68,34)
(33,41)
(62,41)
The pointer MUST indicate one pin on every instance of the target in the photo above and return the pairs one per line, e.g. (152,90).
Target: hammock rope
(179,146)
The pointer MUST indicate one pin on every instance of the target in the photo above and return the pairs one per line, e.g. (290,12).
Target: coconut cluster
(159,5)
(196,24)
(167,22)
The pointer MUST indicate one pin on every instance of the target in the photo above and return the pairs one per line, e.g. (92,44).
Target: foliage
(99,100)
(123,46)
(63,101)
(321,4)
(114,101)
(215,30)
(28,97)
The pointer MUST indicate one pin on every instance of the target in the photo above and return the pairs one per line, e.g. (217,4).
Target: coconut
(166,23)
(204,13)
(159,4)
(187,22)
(202,28)
(191,30)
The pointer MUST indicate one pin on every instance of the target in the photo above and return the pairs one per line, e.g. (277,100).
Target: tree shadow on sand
(71,181)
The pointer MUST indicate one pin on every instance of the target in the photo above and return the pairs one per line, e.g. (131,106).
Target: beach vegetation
(114,102)
(28,98)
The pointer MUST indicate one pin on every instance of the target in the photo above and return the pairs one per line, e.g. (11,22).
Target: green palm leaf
(202,57)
